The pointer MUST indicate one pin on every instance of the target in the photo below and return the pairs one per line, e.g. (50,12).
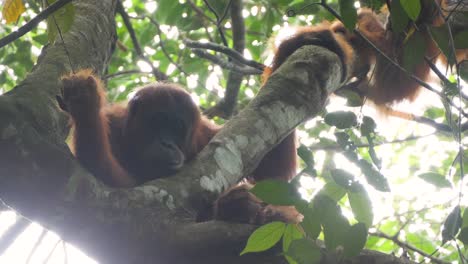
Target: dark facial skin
(160,125)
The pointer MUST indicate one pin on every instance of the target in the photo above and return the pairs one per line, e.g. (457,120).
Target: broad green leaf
(463,236)
(414,51)
(291,233)
(342,178)
(441,37)
(373,176)
(41,39)
(341,119)
(451,225)
(167,9)
(461,40)
(304,251)
(412,8)
(465,219)
(264,237)
(12,10)
(348,13)
(62,18)
(353,99)
(311,221)
(332,191)
(306,155)
(361,206)
(275,192)
(398,17)
(368,126)
(436,179)
(463,70)
(355,240)
(335,225)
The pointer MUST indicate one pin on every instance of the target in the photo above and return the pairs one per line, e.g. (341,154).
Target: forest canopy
(377,179)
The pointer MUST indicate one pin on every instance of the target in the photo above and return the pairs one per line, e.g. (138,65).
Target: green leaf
(373,176)
(311,221)
(398,17)
(463,236)
(361,206)
(348,14)
(414,51)
(291,233)
(436,179)
(465,219)
(264,237)
(304,251)
(353,99)
(306,155)
(441,37)
(355,240)
(463,70)
(412,8)
(332,191)
(342,178)
(166,10)
(461,40)
(41,39)
(368,126)
(341,119)
(62,18)
(335,225)
(451,225)
(275,192)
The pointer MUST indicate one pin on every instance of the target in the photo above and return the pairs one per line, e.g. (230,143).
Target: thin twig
(32,23)
(116,74)
(36,245)
(160,76)
(408,246)
(12,233)
(46,260)
(226,64)
(316,147)
(218,21)
(200,11)
(225,50)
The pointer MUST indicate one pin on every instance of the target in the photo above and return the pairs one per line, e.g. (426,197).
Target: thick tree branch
(225,64)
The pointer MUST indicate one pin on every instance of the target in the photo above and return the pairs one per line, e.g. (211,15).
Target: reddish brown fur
(388,84)
(117,143)
(320,35)
(109,143)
